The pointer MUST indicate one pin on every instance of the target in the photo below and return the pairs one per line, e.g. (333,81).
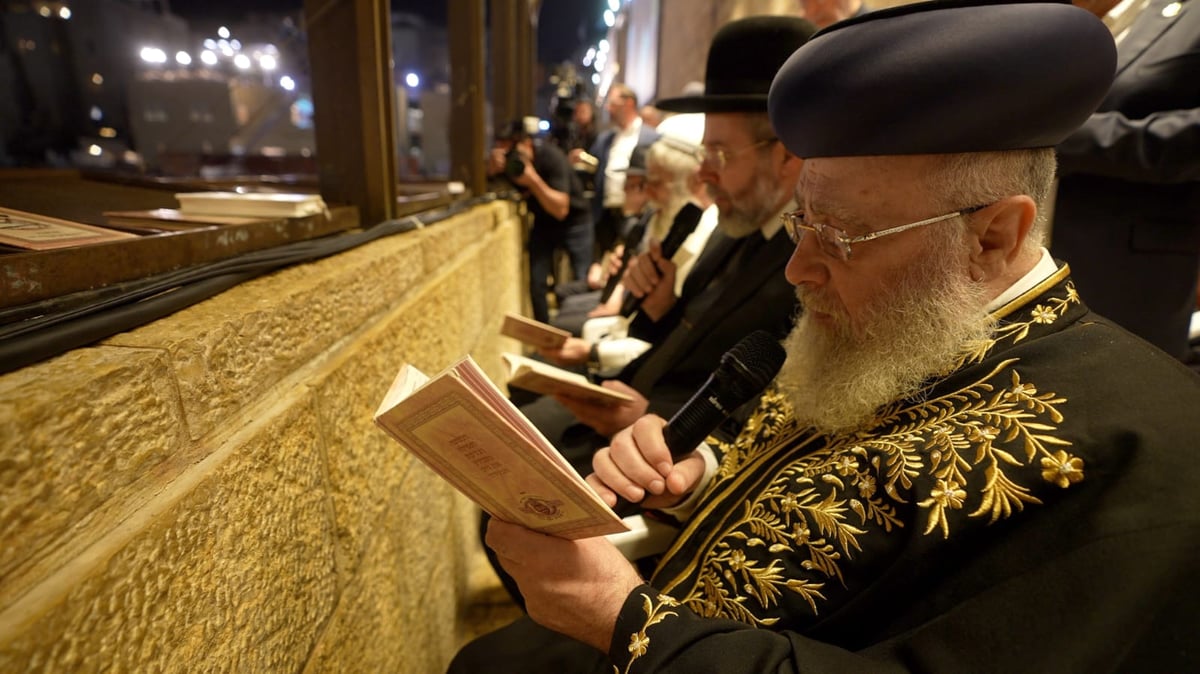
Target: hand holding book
(463,427)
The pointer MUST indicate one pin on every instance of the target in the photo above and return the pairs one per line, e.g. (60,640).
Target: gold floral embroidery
(1062,469)
(818,507)
(807,509)
(639,642)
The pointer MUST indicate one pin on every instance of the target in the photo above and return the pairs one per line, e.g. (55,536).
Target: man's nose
(807,263)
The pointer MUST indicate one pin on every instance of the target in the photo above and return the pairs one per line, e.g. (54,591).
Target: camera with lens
(514,164)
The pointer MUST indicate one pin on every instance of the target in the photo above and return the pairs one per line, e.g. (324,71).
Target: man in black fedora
(961,468)
(736,285)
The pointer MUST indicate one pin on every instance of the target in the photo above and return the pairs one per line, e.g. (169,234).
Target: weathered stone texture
(73,431)
(237,575)
(398,615)
(208,493)
(230,349)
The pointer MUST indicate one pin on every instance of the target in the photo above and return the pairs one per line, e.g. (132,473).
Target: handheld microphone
(681,228)
(744,372)
(630,240)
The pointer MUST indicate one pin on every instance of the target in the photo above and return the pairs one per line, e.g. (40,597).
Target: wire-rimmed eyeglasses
(835,243)
(719,156)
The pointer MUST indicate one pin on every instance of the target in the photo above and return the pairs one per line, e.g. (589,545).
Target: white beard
(838,376)
(661,223)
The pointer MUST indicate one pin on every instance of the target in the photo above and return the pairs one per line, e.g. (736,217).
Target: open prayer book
(534,375)
(463,427)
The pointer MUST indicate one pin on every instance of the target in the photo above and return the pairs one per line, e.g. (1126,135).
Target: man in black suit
(612,151)
(1127,217)
(736,285)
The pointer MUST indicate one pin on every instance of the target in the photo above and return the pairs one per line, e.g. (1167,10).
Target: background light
(153,55)
(267,62)
(287,83)
(208,58)
(183,58)
(412,80)
(223,32)
(610,18)
(64,13)
(242,62)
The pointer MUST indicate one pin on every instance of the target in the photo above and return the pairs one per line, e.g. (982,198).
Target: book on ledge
(251,204)
(534,375)
(170,220)
(533,332)
(31,231)
(460,425)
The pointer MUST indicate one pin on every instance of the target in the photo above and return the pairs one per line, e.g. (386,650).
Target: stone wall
(208,493)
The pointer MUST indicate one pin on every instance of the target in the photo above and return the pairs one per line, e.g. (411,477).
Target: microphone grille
(756,359)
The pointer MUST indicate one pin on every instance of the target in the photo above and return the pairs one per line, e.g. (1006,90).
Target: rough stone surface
(228,350)
(208,493)
(237,575)
(74,431)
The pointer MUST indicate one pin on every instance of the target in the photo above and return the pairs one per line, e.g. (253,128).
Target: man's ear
(999,232)
(789,164)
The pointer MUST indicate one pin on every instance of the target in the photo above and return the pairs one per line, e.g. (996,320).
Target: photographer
(561,219)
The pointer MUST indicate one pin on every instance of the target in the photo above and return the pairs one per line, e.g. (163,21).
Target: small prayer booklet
(40,232)
(251,204)
(462,426)
(534,333)
(534,375)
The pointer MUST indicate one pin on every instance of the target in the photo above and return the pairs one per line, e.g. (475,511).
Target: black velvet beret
(742,60)
(944,76)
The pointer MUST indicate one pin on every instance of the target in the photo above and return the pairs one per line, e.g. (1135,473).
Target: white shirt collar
(1040,272)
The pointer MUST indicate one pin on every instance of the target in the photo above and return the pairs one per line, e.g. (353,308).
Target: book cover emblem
(547,509)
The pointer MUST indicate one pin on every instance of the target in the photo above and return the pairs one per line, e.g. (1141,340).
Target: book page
(408,380)
(281,204)
(42,232)
(532,332)
(456,424)
(547,379)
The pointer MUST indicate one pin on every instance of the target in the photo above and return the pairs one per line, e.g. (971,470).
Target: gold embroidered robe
(1033,511)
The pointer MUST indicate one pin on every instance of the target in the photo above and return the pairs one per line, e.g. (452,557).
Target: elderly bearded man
(962,469)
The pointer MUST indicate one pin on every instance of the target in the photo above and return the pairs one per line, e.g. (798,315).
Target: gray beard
(837,377)
(748,214)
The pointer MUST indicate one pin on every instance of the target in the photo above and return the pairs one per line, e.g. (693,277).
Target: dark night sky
(563,25)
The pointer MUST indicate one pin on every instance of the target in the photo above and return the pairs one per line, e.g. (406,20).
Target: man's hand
(575,588)
(607,419)
(652,277)
(495,163)
(574,351)
(596,276)
(638,467)
(610,308)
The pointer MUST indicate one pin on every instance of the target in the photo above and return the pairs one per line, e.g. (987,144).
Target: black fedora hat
(742,61)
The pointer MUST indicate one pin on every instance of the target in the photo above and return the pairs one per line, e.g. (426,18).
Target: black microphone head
(744,372)
(682,226)
(748,367)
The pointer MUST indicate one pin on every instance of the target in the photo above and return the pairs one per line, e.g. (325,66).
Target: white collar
(1040,272)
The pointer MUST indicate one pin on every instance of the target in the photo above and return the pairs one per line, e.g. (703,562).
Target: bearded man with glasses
(960,468)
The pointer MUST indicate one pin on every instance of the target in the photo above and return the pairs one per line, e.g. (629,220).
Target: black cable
(37,331)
